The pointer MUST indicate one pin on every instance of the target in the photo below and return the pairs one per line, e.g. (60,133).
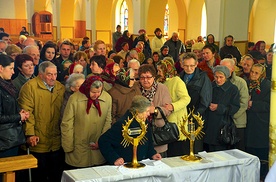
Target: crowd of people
(68,106)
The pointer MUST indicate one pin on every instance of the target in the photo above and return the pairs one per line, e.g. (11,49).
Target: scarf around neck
(149,94)
(9,87)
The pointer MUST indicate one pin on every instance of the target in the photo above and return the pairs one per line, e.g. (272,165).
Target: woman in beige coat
(87,115)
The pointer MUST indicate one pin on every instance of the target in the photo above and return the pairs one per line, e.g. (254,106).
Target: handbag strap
(162,114)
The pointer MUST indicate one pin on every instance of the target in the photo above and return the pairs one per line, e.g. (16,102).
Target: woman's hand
(94,146)
(169,107)
(157,157)
(119,162)
(213,107)
(249,104)
(24,115)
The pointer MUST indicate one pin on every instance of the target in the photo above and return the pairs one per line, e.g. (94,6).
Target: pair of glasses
(144,78)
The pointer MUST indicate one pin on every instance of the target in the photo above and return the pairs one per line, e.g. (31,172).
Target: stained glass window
(166,20)
(124,16)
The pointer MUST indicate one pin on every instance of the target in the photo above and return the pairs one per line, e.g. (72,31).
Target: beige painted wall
(264,17)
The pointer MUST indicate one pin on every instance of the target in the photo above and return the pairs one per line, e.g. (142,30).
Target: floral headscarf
(168,69)
(255,84)
(85,89)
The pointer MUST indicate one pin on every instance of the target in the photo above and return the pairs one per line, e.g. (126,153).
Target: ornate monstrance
(128,139)
(192,134)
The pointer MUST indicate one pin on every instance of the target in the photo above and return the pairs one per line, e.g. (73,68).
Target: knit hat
(222,69)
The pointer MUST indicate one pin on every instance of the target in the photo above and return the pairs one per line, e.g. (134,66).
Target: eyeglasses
(144,78)
(189,66)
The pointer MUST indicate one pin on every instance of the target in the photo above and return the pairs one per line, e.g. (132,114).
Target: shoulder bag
(163,135)
(228,132)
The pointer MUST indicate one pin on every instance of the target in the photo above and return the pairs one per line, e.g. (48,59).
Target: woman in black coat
(110,143)
(11,118)
(225,103)
(257,128)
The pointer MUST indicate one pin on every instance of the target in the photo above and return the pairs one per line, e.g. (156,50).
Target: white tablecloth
(222,166)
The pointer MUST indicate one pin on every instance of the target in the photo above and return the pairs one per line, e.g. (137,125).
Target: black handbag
(228,132)
(11,135)
(167,134)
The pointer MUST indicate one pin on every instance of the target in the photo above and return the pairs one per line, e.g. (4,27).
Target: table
(223,166)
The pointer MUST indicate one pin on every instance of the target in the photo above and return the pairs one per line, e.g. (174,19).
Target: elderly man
(175,45)
(247,64)
(134,64)
(240,116)
(42,97)
(199,88)
(32,50)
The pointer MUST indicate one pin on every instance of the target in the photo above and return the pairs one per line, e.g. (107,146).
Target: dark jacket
(175,48)
(233,50)
(11,132)
(112,149)
(257,128)
(200,91)
(228,99)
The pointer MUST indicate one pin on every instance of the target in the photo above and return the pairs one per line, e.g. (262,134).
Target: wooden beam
(9,164)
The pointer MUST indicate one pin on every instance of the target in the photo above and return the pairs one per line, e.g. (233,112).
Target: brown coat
(121,99)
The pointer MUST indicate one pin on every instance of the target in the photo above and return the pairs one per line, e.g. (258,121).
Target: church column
(272,126)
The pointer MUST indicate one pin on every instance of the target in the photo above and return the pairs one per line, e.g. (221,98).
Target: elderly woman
(110,142)
(122,93)
(87,116)
(180,100)
(25,65)
(257,128)
(225,103)
(11,135)
(72,85)
(159,95)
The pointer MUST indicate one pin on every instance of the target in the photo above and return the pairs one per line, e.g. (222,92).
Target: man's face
(135,68)
(34,53)
(65,51)
(2,47)
(50,76)
(175,37)
(189,65)
(6,39)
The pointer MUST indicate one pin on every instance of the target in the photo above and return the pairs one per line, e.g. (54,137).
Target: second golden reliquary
(193,133)
(128,134)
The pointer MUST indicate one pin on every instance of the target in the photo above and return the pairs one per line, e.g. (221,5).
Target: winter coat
(44,107)
(79,129)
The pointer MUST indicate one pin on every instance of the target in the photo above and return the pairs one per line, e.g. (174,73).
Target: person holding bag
(159,95)
(225,103)
(11,117)
(180,100)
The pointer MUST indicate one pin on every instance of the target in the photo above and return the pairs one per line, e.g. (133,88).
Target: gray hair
(133,61)
(96,84)
(42,67)
(72,79)
(139,104)
(27,48)
(228,60)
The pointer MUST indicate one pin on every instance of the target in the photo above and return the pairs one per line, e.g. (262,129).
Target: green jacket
(44,107)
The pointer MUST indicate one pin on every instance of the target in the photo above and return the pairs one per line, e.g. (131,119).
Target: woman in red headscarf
(87,115)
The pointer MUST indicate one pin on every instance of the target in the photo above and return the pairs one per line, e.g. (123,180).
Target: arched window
(124,16)
(203,22)
(166,20)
